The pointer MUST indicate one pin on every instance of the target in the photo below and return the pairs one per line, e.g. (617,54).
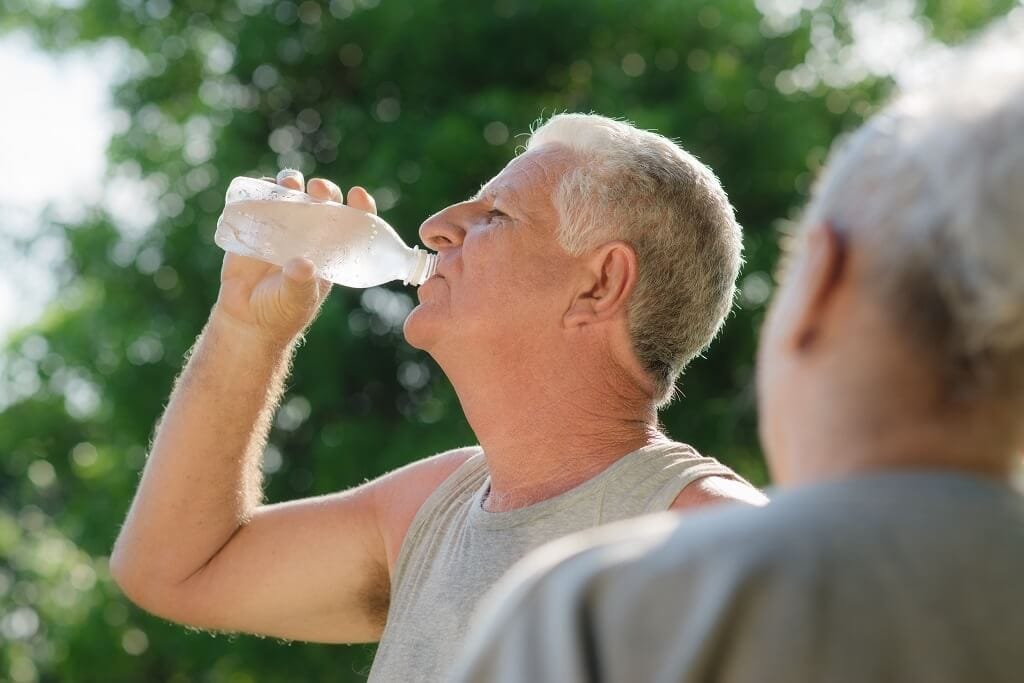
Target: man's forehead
(504,183)
(539,166)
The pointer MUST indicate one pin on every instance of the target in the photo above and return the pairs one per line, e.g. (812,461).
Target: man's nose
(443,229)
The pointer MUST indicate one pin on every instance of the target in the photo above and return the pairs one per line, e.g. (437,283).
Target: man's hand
(275,303)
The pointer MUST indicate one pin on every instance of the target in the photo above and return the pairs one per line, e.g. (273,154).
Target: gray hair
(933,189)
(642,188)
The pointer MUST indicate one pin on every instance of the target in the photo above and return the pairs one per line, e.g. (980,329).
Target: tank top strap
(650,479)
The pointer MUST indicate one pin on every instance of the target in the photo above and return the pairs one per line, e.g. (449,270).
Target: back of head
(932,190)
(642,188)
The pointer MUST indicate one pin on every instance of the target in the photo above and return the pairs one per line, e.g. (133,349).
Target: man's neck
(528,471)
(841,446)
(543,437)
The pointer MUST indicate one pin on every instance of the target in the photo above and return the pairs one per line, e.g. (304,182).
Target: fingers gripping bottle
(265,221)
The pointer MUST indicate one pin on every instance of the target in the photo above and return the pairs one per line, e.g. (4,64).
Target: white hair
(642,188)
(933,188)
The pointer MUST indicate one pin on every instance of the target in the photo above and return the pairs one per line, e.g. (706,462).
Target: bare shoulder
(717,489)
(398,495)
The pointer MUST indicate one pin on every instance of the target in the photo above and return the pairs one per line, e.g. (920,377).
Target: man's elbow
(139,583)
(129,577)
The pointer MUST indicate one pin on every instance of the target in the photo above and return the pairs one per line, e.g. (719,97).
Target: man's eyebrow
(511,201)
(486,191)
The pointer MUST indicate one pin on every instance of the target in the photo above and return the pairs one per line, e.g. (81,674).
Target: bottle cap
(423,267)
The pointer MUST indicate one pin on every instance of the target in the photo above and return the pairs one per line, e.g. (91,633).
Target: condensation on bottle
(266,221)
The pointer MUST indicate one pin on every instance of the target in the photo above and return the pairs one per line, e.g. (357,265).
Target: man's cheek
(489,281)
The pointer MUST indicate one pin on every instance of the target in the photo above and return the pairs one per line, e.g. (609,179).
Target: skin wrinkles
(497,190)
(514,298)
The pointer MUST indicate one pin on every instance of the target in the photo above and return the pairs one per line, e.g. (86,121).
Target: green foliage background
(420,102)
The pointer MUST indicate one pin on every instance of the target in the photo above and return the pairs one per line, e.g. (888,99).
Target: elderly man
(570,293)
(891,389)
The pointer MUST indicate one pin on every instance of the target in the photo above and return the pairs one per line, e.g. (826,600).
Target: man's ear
(608,279)
(818,279)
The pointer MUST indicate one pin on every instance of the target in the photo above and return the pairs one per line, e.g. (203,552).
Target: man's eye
(495,214)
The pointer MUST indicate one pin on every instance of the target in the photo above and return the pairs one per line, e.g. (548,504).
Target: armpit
(375,596)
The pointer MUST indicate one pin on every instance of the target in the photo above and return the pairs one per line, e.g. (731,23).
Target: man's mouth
(430,279)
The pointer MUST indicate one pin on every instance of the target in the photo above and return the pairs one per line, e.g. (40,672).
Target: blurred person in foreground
(570,293)
(891,397)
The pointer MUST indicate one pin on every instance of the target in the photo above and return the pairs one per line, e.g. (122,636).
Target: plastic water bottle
(265,221)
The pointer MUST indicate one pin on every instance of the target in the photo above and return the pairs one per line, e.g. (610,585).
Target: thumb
(300,283)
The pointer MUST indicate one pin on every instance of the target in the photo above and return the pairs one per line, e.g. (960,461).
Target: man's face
(501,273)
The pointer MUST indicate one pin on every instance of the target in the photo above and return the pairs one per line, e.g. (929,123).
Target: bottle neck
(423,264)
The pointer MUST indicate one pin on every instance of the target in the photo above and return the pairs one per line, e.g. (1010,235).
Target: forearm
(202,478)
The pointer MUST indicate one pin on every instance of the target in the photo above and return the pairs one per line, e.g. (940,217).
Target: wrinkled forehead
(531,176)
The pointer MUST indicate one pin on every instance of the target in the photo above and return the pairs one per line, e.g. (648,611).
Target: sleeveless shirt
(454,550)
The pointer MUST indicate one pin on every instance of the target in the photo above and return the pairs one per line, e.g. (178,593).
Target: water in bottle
(266,221)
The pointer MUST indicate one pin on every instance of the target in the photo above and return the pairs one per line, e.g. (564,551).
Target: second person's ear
(820,275)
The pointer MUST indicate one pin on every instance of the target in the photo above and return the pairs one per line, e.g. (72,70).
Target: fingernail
(289,172)
(300,269)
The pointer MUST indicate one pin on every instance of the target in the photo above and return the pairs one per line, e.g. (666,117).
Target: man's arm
(198,547)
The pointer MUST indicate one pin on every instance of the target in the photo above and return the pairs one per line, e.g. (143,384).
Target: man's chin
(418,332)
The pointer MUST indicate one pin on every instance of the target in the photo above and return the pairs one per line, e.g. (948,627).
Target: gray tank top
(455,550)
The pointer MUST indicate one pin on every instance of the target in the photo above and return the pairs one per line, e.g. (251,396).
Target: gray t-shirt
(912,576)
(455,551)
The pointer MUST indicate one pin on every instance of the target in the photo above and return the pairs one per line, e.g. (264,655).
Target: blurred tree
(420,102)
